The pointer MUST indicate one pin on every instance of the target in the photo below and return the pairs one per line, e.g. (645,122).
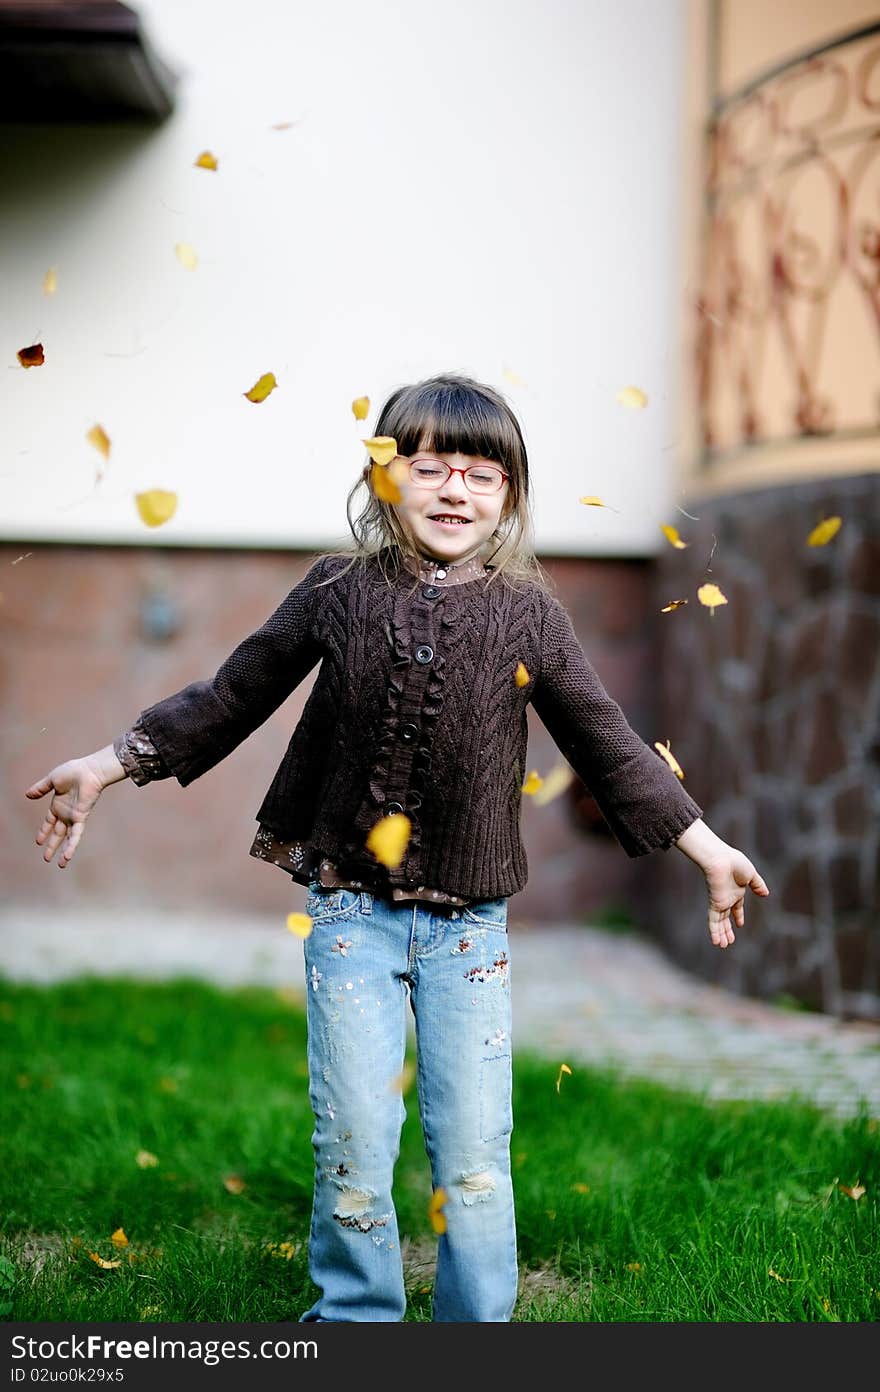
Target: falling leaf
(300,924)
(435,1210)
(786,1280)
(361,407)
(262,387)
(156,506)
(854,1192)
(31,356)
(186,255)
(206,160)
(512,377)
(521,676)
(146,1159)
(107,1265)
(556,782)
(669,757)
(50,281)
(384,486)
(98,437)
(389,838)
(118,1238)
(404,1080)
(711,596)
(563,1068)
(234,1183)
(673,604)
(382,448)
(671,534)
(821,535)
(581,1188)
(533,782)
(592,501)
(633,397)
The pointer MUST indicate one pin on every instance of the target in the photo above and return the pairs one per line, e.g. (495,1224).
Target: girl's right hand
(75,786)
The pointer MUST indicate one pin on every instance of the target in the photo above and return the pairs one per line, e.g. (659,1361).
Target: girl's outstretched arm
(76,786)
(728,872)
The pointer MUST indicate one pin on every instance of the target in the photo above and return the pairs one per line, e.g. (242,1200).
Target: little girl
(433,634)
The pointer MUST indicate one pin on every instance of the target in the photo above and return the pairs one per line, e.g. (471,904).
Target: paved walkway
(580,995)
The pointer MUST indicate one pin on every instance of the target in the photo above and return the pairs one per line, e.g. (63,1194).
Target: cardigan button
(430,592)
(424,654)
(408,732)
(393,807)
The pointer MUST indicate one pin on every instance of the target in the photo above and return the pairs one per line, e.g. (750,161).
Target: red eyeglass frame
(411,459)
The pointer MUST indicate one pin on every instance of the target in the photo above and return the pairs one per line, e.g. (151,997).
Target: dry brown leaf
(32,356)
(822,534)
(435,1210)
(156,506)
(262,388)
(389,838)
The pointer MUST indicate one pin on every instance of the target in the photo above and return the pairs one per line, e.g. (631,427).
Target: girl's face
(479,513)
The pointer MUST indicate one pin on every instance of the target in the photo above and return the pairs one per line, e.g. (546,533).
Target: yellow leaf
(591,500)
(556,782)
(821,535)
(786,1280)
(581,1188)
(262,387)
(435,1210)
(389,838)
(156,506)
(384,485)
(633,397)
(533,782)
(32,356)
(50,282)
(186,255)
(107,1265)
(673,604)
(146,1159)
(98,437)
(206,160)
(404,1080)
(671,534)
(382,448)
(634,1266)
(361,407)
(234,1183)
(512,377)
(167,1084)
(521,676)
(563,1068)
(118,1238)
(300,924)
(711,596)
(854,1192)
(669,757)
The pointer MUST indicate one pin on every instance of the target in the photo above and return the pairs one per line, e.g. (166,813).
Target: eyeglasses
(427,472)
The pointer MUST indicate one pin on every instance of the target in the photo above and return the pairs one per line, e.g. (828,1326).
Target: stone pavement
(580,995)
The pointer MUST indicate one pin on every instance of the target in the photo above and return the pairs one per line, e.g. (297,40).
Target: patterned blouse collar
(435,572)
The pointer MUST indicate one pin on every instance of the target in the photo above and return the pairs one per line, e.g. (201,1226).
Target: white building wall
(488,186)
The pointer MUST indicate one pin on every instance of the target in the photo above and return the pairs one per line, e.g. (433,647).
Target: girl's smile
(451,522)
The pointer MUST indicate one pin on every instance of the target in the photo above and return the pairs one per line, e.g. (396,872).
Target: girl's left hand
(727,879)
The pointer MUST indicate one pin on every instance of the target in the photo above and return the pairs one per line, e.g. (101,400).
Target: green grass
(634,1203)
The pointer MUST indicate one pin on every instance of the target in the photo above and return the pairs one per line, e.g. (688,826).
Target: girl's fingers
(72,843)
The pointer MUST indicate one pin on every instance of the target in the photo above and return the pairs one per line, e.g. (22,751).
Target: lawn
(176,1116)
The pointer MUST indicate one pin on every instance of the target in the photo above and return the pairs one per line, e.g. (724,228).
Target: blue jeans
(364,957)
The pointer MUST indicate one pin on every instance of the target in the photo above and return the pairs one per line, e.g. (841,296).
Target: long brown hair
(450,414)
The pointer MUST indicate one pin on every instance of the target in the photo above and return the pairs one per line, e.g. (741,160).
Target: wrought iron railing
(788,315)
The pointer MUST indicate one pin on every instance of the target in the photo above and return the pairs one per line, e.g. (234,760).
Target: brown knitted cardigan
(415,708)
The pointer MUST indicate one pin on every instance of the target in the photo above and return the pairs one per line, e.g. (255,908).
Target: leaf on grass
(361,407)
(669,757)
(533,782)
(671,535)
(99,1261)
(206,160)
(234,1183)
(300,924)
(556,782)
(156,506)
(436,1204)
(186,255)
(261,388)
(167,1084)
(673,604)
(404,1080)
(118,1238)
(521,675)
(382,448)
(853,1192)
(50,281)
(98,437)
(146,1159)
(563,1068)
(711,596)
(785,1280)
(822,534)
(581,1188)
(389,838)
(634,1266)
(632,397)
(32,356)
